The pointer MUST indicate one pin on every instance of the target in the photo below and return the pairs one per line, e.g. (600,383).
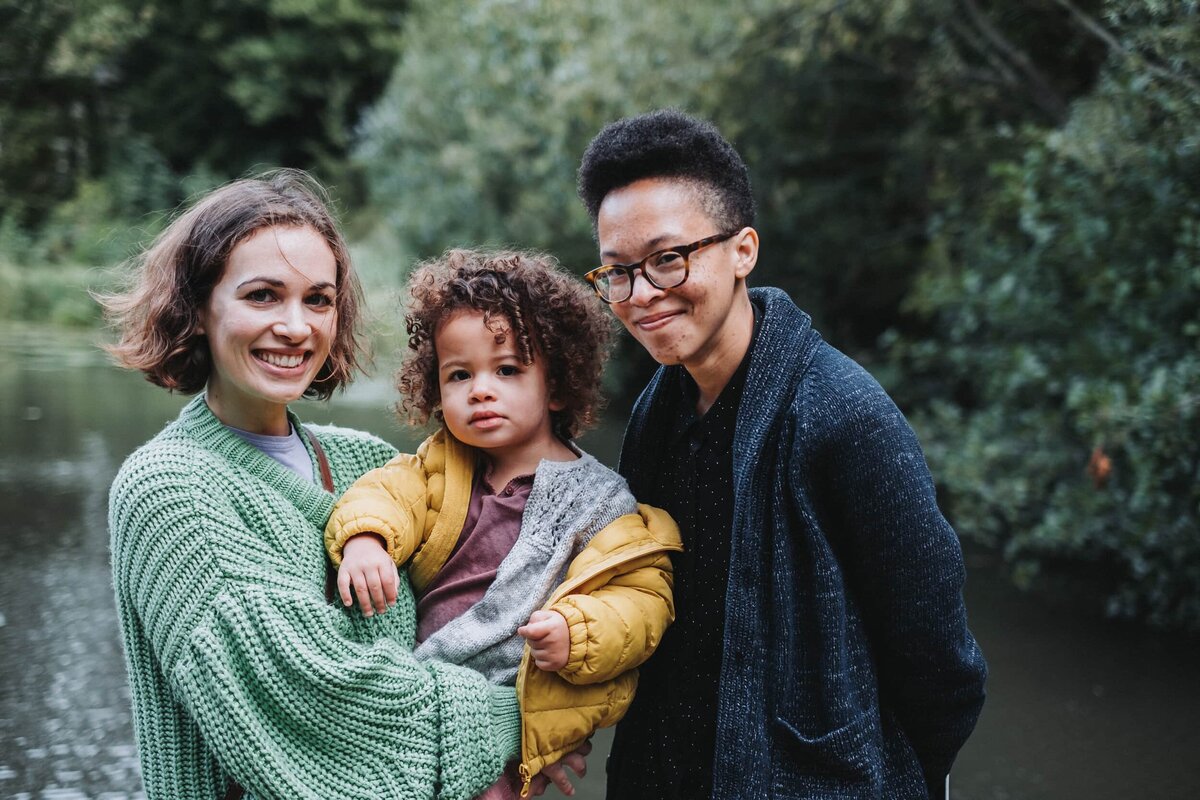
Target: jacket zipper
(562,591)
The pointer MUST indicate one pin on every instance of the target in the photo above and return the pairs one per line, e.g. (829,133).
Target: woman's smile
(658,320)
(282,360)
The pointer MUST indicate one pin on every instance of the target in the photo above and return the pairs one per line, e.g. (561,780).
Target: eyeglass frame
(684,251)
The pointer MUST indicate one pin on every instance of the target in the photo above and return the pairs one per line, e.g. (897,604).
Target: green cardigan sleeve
(295,697)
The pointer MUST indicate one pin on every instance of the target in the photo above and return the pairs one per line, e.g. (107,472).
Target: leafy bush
(53,294)
(477,137)
(1065,304)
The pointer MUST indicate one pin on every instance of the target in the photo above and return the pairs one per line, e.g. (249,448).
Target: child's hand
(367,567)
(549,639)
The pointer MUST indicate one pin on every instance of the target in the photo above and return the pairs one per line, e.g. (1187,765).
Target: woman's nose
(294,323)
(643,291)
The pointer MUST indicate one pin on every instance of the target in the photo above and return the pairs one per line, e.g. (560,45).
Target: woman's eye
(260,296)
(508,370)
(320,300)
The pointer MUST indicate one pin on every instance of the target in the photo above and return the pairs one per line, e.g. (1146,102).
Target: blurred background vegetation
(993,205)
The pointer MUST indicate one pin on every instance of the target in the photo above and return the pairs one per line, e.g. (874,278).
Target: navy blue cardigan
(848,669)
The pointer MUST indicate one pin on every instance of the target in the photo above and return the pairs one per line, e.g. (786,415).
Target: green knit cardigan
(239,668)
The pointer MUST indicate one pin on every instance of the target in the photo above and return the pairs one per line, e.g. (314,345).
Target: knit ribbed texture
(570,502)
(238,666)
(848,668)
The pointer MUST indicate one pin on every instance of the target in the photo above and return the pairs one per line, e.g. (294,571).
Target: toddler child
(510,532)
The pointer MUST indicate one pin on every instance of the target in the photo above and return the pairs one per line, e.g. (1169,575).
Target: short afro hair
(668,144)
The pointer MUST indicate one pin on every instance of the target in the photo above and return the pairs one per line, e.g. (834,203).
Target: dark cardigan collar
(784,349)
(781,352)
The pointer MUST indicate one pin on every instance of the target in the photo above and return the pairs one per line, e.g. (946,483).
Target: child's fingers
(343,584)
(536,630)
(391,584)
(375,589)
(576,759)
(385,573)
(529,633)
(362,590)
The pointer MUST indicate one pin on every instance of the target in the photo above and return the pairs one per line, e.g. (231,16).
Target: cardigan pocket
(840,757)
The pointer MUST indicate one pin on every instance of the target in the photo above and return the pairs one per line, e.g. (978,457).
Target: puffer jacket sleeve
(296,698)
(391,501)
(616,619)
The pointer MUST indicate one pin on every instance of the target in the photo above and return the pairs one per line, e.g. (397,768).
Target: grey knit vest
(570,502)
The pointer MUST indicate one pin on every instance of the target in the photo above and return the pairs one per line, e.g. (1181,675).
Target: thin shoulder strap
(322,461)
(327,482)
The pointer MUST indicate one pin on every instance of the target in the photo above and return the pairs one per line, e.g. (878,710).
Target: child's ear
(555,404)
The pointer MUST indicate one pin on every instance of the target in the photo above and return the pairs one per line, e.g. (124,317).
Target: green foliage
(478,135)
(55,68)
(843,109)
(275,82)
(961,176)
(1065,303)
(866,105)
(106,220)
(203,86)
(54,294)
(994,204)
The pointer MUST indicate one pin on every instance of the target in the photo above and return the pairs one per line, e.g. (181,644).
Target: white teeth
(280,360)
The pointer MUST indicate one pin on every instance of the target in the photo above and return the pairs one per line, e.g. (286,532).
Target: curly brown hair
(158,314)
(551,315)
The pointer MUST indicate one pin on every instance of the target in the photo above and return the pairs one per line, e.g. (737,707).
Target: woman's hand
(549,639)
(367,567)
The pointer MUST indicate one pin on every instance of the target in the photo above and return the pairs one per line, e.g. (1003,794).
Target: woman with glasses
(820,647)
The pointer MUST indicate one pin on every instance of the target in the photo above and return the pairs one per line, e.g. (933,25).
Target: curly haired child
(512,535)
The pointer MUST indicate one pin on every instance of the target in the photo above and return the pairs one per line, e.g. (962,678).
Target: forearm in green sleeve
(480,731)
(294,706)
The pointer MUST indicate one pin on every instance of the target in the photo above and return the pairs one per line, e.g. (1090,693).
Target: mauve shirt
(490,531)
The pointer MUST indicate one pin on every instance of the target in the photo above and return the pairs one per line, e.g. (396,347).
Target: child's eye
(260,296)
(458,375)
(508,370)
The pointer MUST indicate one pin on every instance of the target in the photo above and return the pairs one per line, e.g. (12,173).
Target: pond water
(1078,707)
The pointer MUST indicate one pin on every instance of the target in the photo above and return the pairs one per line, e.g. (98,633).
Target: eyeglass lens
(665,271)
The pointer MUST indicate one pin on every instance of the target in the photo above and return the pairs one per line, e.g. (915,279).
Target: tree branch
(1092,26)
(1044,95)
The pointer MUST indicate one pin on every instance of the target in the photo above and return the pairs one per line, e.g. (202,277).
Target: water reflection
(1078,707)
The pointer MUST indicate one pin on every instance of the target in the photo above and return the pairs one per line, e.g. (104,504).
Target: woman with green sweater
(246,681)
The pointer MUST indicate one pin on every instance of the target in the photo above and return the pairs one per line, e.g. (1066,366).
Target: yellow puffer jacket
(616,598)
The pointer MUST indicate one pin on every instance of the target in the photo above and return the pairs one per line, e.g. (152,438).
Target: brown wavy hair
(158,315)
(551,315)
